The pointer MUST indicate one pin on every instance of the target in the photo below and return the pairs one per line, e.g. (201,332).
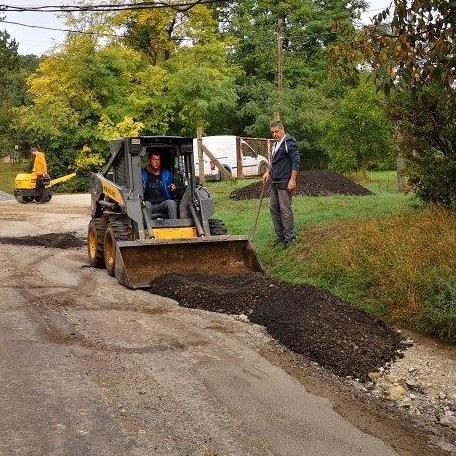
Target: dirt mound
(310,183)
(305,319)
(53,240)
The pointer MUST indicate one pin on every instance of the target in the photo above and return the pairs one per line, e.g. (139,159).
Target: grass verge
(8,172)
(377,252)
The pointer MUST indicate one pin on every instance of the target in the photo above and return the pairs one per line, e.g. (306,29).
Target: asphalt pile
(305,319)
(310,183)
(52,240)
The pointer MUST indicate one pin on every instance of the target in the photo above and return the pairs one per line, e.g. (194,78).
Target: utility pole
(199,143)
(279,64)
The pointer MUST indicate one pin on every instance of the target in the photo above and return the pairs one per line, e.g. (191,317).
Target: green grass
(7,174)
(239,217)
(377,252)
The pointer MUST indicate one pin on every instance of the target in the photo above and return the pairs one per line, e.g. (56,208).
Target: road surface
(89,367)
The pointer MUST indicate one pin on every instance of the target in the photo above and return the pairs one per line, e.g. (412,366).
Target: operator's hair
(33,149)
(153,152)
(276,124)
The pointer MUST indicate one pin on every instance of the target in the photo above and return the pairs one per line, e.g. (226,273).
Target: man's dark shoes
(278,242)
(287,244)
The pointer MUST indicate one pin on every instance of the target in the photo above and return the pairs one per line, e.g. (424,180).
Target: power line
(58,29)
(183,6)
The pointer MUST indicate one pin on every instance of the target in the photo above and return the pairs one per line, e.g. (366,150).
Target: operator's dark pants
(40,186)
(168,207)
(281,211)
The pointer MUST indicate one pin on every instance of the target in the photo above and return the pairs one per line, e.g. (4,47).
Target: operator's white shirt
(276,145)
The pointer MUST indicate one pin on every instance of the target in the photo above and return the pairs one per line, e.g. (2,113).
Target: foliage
(358,134)
(420,47)
(86,160)
(201,85)
(390,266)
(8,172)
(412,52)
(426,119)
(86,95)
(13,71)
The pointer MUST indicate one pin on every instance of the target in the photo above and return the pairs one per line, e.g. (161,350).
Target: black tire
(263,168)
(44,198)
(217,227)
(95,242)
(24,199)
(119,229)
(221,177)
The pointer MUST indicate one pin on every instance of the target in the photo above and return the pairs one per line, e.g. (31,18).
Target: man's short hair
(153,152)
(276,124)
(33,149)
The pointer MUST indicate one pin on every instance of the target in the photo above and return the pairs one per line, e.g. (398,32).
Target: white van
(224,149)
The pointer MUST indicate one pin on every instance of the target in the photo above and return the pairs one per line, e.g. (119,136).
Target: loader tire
(119,229)
(95,242)
(217,227)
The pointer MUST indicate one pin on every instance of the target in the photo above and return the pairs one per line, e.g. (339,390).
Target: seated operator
(158,187)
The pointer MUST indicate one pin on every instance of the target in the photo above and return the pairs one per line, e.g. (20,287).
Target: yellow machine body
(24,181)
(25,187)
(136,243)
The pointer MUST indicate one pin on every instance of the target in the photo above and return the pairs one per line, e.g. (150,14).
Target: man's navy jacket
(284,160)
(166,179)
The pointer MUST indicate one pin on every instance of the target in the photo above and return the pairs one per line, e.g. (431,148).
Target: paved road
(91,368)
(5,196)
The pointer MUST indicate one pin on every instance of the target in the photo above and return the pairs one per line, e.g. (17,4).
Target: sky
(38,41)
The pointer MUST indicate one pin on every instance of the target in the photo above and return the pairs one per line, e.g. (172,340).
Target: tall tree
(411,49)
(86,95)
(14,69)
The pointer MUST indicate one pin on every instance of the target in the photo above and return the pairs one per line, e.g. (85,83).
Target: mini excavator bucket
(137,263)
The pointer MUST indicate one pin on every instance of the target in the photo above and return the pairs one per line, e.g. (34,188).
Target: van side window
(247,151)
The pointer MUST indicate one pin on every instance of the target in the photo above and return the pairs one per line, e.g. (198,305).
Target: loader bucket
(137,263)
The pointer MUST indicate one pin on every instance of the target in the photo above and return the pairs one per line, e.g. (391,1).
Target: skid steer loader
(135,245)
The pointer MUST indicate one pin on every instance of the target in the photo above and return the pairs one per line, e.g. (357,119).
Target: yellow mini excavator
(135,245)
(25,188)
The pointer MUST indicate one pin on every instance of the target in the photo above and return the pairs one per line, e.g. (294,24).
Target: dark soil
(305,319)
(53,240)
(310,183)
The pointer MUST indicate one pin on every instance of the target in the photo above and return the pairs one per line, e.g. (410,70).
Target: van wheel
(221,177)
(263,168)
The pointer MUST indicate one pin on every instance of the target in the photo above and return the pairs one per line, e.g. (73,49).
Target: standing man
(40,170)
(158,186)
(282,173)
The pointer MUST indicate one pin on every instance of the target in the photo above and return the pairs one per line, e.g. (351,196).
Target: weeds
(398,266)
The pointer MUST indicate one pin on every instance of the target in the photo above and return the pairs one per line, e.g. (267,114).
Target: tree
(87,94)
(358,133)
(14,69)
(412,51)
(309,29)
(201,85)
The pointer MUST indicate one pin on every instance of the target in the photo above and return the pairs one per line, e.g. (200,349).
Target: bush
(438,316)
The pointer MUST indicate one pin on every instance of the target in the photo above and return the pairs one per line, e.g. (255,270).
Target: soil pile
(53,240)
(307,320)
(310,183)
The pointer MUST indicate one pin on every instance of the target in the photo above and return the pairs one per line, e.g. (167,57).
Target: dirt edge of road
(408,436)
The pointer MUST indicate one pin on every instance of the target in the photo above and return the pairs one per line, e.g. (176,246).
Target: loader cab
(176,156)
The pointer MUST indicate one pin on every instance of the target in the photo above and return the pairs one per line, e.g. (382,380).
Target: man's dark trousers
(281,211)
